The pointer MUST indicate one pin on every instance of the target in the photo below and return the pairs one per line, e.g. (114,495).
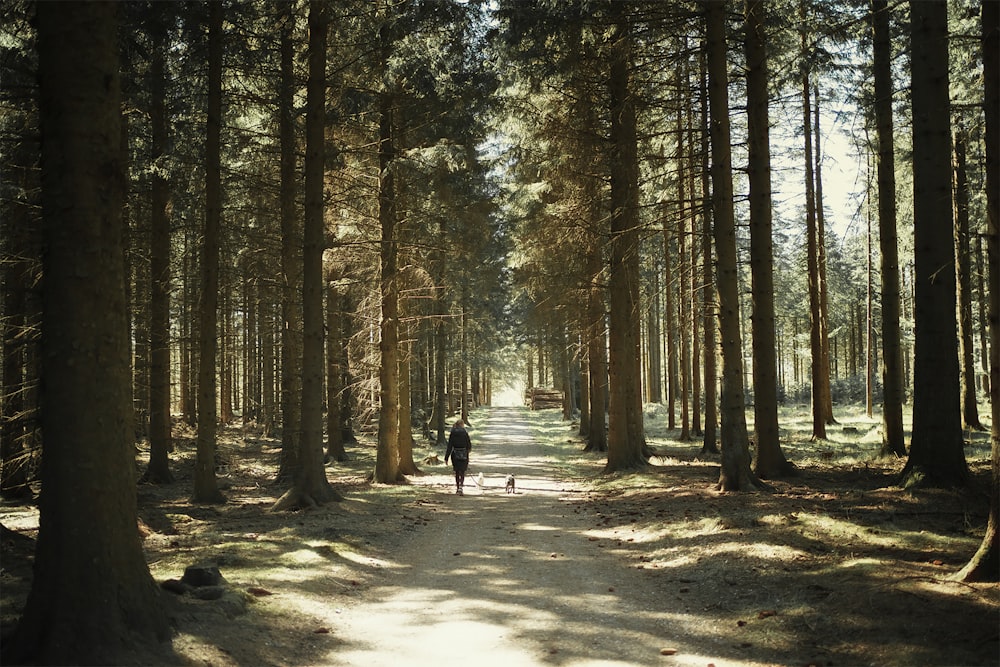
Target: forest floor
(835,567)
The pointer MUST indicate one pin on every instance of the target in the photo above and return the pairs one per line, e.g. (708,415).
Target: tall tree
(626,437)
(937,455)
(387,453)
(89,556)
(893,386)
(771,460)
(158,470)
(963,281)
(310,486)
(985,563)
(735,473)
(206,488)
(710,443)
(291,258)
(820,374)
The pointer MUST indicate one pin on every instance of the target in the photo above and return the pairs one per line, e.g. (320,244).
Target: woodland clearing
(835,567)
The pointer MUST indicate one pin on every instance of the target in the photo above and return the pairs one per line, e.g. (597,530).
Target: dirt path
(500,579)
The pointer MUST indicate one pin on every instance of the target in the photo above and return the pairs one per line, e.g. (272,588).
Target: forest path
(500,579)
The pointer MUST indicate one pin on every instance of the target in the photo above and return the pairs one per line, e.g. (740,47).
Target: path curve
(512,580)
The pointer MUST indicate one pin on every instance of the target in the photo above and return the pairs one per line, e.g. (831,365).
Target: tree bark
(158,470)
(985,563)
(710,323)
(937,456)
(291,260)
(963,281)
(597,349)
(336,362)
(735,473)
(824,307)
(92,599)
(206,489)
(311,486)
(626,437)
(893,387)
(771,460)
(387,454)
(812,252)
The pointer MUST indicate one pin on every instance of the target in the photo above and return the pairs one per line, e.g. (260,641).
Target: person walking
(459,446)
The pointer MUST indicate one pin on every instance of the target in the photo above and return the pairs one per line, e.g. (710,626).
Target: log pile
(538,398)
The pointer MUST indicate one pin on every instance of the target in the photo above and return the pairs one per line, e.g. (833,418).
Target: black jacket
(458,439)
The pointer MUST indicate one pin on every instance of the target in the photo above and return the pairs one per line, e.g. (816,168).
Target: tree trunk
(266,321)
(463,388)
(963,280)
(626,438)
(336,358)
(440,368)
(597,350)
(893,388)
(824,308)
(669,325)
(735,474)
(683,296)
(985,563)
(812,251)
(407,466)
(92,599)
(937,456)
(291,261)
(206,489)
(158,470)
(771,460)
(984,347)
(310,486)
(387,455)
(710,443)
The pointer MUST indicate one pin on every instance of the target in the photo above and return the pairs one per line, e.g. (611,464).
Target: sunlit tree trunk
(710,443)
(387,454)
(336,358)
(937,456)
(683,296)
(771,460)
(824,307)
(735,473)
(963,281)
(892,349)
(310,486)
(626,437)
(597,350)
(985,563)
(812,252)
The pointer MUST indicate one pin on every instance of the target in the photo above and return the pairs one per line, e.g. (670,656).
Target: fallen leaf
(668,651)
(321,631)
